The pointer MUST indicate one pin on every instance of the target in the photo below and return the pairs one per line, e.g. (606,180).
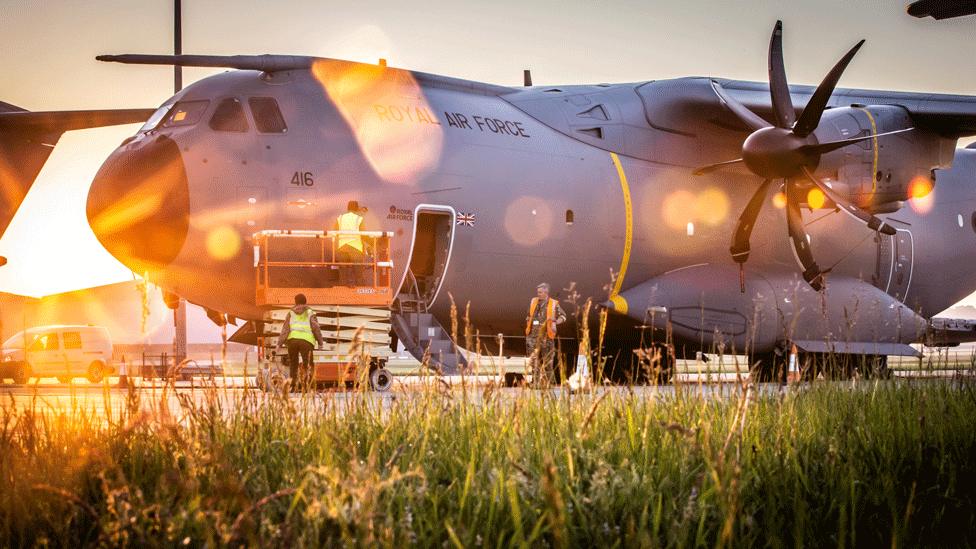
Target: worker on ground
(349,248)
(545,315)
(300,333)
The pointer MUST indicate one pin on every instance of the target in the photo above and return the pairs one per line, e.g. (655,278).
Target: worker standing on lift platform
(349,248)
(300,332)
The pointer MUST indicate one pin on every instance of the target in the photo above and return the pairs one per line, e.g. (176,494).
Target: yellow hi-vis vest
(350,221)
(550,317)
(300,326)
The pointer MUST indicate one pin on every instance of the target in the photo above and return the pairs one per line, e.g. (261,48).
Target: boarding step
(424,338)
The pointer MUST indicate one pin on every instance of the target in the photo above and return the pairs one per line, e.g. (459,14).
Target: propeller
(790,151)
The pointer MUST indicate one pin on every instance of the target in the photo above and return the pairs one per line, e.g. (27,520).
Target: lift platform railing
(313,276)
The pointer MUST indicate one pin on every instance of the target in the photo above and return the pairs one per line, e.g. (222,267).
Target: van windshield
(18,340)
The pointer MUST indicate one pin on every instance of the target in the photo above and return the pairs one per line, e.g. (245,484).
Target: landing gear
(513,379)
(768,368)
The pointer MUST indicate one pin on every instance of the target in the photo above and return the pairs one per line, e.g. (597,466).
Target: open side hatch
(430,255)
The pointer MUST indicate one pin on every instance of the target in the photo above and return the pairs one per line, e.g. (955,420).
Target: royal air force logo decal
(465,219)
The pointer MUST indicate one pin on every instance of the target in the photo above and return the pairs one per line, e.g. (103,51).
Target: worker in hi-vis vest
(300,333)
(545,315)
(350,248)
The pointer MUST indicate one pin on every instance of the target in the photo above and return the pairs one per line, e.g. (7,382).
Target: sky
(50,47)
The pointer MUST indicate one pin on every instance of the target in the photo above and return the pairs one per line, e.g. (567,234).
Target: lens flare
(399,133)
(920,194)
(816,198)
(528,220)
(677,209)
(711,206)
(920,187)
(779,200)
(223,243)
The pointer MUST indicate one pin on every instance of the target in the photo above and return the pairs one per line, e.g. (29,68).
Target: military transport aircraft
(628,193)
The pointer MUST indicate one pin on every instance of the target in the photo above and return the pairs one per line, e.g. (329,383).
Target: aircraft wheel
(96,371)
(21,373)
(761,368)
(876,367)
(381,380)
(64,379)
(513,379)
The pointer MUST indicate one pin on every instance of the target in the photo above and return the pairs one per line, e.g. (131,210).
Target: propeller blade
(810,118)
(873,222)
(747,220)
(747,117)
(830,146)
(717,166)
(798,235)
(779,89)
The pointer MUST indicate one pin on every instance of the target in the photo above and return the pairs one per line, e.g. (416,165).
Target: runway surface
(108,398)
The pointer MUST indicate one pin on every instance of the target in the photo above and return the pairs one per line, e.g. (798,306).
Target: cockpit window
(267,115)
(155,118)
(229,116)
(186,113)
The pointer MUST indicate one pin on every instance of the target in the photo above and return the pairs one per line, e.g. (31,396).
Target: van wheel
(96,371)
(22,373)
(65,380)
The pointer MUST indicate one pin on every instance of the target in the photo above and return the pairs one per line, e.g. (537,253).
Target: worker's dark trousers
(302,348)
(350,275)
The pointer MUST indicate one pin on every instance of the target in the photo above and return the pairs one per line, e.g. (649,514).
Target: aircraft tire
(381,380)
(512,379)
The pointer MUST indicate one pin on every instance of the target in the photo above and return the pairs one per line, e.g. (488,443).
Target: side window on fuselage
(267,115)
(229,117)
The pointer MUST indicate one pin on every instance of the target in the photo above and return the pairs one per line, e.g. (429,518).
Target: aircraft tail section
(27,139)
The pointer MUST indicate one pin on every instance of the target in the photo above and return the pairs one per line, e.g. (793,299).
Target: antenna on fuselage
(527,77)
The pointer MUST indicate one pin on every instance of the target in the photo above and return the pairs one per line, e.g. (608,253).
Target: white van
(64,352)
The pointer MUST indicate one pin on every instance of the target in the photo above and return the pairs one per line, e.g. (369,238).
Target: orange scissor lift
(355,320)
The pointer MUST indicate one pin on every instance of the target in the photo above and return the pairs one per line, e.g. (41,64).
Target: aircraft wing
(949,115)
(27,139)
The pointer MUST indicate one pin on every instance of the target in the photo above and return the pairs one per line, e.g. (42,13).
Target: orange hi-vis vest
(550,317)
(350,221)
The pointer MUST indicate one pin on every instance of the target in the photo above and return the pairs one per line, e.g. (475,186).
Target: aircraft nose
(139,203)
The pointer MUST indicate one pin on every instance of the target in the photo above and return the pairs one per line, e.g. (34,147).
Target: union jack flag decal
(465,219)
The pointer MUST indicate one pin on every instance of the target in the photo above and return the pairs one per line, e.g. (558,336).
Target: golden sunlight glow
(816,198)
(919,187)
(711,206)
(399,133)
(528,220)
(683,208)
(779,200)
(50,247)
(223,243)
(922,195)
(677,208)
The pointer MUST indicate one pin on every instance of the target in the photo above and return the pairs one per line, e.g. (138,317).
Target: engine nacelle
(880,174)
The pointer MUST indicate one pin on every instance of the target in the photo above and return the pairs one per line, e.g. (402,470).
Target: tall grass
(883,463)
